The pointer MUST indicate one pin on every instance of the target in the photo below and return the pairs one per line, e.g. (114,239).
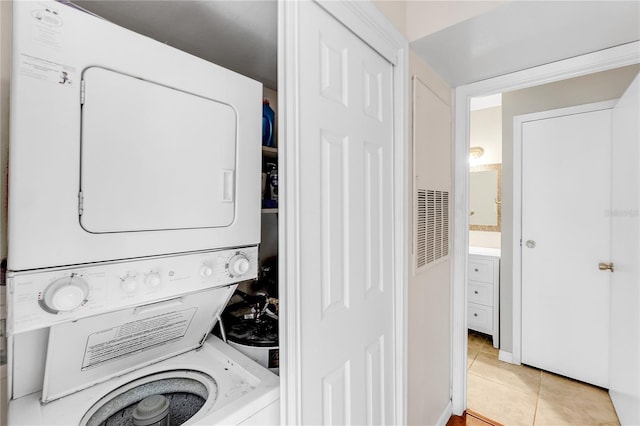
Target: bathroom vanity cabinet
(483,292)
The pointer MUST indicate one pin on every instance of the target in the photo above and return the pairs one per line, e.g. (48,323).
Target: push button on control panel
(152,280)
(129,284)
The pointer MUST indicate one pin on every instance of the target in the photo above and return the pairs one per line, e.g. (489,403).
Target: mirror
(485,198)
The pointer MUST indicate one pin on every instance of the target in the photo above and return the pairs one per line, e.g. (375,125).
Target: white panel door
(347,299)
(624,385)
(566,175)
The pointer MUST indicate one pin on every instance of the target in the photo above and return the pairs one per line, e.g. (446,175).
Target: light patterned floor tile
(566,401)
(525,379)
(510,394)
(471,356)
(501,403)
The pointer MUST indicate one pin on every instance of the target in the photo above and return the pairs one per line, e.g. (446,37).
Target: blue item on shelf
(268,118)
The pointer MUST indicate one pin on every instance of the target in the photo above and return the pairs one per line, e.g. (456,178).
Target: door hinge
(80,203)
(204,338)
(82,92)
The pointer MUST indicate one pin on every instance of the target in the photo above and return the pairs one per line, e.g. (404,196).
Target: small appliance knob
(152,280)
(129,284)
(238,265)
(206,271)
(65,294)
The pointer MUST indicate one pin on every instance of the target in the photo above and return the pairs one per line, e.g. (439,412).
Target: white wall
(576,91)
(486,131)
(429,358)
(419,18)
(428,17)
(429,295)
(395,11)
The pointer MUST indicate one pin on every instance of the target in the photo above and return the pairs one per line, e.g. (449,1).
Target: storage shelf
(269,152)
(270,210)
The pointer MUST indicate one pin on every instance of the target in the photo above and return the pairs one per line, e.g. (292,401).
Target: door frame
(602,60)
(518,121)
(372,26)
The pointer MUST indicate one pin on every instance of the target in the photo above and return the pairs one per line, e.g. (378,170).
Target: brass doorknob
(604,266)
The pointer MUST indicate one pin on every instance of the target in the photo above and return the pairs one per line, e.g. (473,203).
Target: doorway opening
(495,387)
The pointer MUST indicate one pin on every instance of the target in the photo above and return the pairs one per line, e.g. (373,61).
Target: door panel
(346,160)
(625,229)
(566,173)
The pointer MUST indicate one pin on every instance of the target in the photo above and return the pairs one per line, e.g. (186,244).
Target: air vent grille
(421,235)
(432,228)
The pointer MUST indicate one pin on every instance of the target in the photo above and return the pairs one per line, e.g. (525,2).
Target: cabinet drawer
(480,293)
(480,318)
(480,270)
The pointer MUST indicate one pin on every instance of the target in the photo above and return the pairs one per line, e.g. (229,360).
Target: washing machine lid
(92,350)
(153,157)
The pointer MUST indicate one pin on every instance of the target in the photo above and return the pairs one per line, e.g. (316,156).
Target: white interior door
(566,175)
(624,385)
(346,222)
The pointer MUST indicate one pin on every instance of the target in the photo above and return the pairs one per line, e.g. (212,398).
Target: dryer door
(153,157)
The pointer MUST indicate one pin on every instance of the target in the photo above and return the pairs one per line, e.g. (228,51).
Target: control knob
(238,265)
(65,294)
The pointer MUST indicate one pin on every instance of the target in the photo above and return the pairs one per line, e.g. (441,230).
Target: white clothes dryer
(122,146)
(89,344)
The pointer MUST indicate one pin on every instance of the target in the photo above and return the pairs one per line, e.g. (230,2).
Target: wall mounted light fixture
(475,152)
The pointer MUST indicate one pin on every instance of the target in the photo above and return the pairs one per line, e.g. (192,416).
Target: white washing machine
(92,345)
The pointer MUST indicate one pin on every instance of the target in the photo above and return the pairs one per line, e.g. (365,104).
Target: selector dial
(65,294)
(238,265)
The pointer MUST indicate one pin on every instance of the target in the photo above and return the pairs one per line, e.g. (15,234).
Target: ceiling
(242,35)
(522,34)
(238,35)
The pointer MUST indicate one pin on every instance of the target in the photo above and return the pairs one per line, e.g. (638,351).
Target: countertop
(485,251)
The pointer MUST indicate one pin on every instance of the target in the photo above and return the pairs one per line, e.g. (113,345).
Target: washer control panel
(43,298)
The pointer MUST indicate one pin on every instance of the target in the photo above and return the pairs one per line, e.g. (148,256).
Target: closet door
(340,226)
(625,253)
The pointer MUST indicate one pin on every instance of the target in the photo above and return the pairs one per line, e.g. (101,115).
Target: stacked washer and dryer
(134,211)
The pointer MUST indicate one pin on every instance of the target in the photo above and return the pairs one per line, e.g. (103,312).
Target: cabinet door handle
(476,291)
(476,269)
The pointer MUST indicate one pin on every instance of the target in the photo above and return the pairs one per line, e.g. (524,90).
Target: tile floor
(521,395)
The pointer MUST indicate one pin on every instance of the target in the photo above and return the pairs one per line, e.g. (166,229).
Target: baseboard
(505,356)
(446,415)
